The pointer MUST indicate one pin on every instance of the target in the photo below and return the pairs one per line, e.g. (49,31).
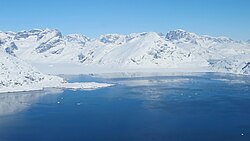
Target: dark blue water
(192,107)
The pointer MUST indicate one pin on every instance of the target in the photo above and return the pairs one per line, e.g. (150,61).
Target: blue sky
(94,17)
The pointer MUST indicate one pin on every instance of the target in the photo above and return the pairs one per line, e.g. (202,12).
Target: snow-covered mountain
(176,49)
(239,64)
(223,54)
(16,75)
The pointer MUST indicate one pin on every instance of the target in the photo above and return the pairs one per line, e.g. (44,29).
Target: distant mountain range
(176,49)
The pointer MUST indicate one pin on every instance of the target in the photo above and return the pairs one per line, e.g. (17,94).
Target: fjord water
(183,107)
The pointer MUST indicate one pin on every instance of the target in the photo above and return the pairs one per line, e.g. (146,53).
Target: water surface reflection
(173,107)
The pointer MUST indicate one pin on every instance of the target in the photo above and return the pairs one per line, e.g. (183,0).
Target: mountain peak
(120,39)
(77,38)
(55,32)
(220,39)
(37,32)
(180,34)
(180,30)
(112,38)
(151,35)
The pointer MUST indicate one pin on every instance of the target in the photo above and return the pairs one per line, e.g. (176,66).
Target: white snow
(16,75)
(85,85)
(176,50)
(239,64)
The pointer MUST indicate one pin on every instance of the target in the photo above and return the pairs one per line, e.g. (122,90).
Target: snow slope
(239,64)
(176,49)
(16,75)
(223,54)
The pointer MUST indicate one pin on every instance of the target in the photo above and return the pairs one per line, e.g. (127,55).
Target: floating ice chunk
(79,103)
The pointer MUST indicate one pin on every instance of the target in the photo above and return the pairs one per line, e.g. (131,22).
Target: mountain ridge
(175,49)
